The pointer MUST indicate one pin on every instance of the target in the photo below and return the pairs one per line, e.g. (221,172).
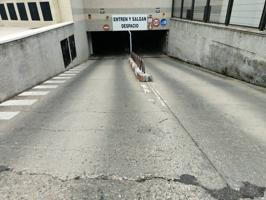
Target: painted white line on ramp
(145,88)
(67,75)
(61,78)
(8,115)
(158,95)
(41,93)
(74,70)
(55,81)
(71,73)
(19,102)
(46,87)
(151,100)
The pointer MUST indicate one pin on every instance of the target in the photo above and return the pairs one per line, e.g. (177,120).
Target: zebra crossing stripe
(46,87)
(61,78)
(27,102)
(8,115)
(55,81)
(41,93)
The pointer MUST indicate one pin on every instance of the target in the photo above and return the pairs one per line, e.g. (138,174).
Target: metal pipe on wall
(130,42)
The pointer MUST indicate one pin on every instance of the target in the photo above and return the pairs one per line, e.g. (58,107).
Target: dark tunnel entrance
(117,43)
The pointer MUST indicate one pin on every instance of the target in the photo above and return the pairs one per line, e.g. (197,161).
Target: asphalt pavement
(96,132)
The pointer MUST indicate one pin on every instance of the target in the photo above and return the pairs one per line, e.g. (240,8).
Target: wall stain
(237,63)
(4,168)
(248,190)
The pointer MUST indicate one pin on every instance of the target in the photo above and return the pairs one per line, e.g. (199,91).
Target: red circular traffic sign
(156,22)
(106,27)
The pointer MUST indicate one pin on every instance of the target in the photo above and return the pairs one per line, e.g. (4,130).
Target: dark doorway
(65,52)
(117,43)
(110,43)
(72,46)
(149,42)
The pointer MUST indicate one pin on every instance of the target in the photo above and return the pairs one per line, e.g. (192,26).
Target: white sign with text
(130,22)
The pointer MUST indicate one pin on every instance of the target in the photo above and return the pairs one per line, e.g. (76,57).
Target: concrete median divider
(141,76)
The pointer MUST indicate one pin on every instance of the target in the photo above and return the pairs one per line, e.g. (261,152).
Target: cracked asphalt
(190,134)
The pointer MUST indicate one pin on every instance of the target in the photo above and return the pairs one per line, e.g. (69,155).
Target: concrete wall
(236,52)
(78,10)
(29,60)
(80,29)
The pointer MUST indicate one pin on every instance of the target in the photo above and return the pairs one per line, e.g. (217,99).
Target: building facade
(242,12)
(34,14)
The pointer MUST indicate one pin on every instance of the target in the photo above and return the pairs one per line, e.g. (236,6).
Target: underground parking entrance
(112,43)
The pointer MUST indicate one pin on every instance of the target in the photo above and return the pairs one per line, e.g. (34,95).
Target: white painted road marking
(45,87)
(145,88)
(157,94)
(8,115)
(61,78)
(75,71)
(72,73)
(55,81)
(67,75)
(43,93)
(19,102)
(78,68)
